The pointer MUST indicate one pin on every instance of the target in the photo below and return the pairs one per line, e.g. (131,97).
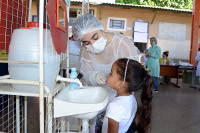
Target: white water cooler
(24,46)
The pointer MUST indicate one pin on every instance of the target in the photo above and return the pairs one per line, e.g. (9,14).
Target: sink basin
(84,103)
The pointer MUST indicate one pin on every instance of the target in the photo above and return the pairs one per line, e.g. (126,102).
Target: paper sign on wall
(129,28)
(140,37)
(141,27)
(140,32)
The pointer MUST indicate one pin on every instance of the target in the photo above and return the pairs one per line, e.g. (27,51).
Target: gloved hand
(100,78)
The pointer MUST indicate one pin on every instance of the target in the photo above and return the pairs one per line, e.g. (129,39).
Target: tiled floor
(175,110)
(33,115)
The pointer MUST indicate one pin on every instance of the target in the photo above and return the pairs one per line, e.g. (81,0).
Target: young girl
(127,76)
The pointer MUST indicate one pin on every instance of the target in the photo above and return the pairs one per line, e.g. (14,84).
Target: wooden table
(171,71)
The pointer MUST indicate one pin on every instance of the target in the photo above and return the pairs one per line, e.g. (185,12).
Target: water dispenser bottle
(24,46)
(171,62)
(179,62)
(73,75)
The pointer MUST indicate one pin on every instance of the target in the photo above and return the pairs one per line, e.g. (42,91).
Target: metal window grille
(53,125)
(12,114)
(116,24)
(14,14)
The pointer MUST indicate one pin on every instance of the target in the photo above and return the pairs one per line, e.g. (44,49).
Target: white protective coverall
(91,64)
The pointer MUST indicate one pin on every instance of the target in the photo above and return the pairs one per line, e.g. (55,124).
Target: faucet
(59,78)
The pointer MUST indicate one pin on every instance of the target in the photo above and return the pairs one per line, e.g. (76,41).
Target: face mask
(98,46)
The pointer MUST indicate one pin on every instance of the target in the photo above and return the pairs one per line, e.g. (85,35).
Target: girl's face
(91,38)
(113,79)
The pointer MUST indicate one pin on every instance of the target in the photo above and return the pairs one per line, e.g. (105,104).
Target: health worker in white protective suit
(99,51)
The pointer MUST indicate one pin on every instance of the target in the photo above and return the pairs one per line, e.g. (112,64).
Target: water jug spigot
(59,78)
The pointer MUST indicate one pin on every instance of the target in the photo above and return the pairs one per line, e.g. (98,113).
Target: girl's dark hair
(166,53)
(138,78)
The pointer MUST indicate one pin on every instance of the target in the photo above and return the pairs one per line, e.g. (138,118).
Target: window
(117,24)
(140,35)
(61,15)
(75,13)
(34,18)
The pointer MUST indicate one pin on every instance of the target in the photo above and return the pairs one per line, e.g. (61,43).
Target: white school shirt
(164,62)
(122,109)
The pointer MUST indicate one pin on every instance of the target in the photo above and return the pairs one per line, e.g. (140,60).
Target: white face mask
(98,46)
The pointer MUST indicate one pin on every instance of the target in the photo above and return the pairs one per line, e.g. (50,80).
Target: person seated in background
(143,58)
(164,60)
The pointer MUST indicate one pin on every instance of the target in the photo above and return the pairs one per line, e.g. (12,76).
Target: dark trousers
(155,79)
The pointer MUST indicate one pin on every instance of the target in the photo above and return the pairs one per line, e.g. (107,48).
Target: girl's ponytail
(145,109)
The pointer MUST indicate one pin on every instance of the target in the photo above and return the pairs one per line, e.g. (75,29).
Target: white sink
(84,103)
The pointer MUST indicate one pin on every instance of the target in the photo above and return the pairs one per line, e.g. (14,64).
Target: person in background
(126,77)
(164,60)
(152,63)
(143,58)
(198,66)
(99,51)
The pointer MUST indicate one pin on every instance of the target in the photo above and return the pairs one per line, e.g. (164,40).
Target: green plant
(179,4)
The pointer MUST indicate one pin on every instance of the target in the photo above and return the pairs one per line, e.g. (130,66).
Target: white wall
(177,49)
